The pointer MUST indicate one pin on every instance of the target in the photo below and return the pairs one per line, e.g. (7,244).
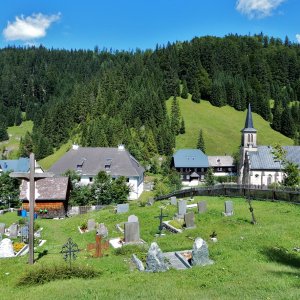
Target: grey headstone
(102,230)
(228,209)
(13,230)
(155,260)
(173,200)
(91,224)
(181,207)
(150,201)
(133,218)
(131,232)
(200,255)
(24,232)
(2,228)
(138,263)
(6,248)
(202,207)
(189,219)
(122,208)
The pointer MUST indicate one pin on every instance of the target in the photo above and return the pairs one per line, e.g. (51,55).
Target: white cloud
(298,37)
(257,8)
(29,28)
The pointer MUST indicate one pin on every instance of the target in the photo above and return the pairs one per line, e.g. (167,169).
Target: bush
(18,246)
(44,274)
(83,226)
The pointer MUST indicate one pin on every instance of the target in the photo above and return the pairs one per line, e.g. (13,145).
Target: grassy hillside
(221,127)
(251,261)
(15,133)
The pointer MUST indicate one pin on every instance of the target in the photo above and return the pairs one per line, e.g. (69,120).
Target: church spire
(249,121)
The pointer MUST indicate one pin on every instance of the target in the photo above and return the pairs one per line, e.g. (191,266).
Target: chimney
(75,147)
(121,147)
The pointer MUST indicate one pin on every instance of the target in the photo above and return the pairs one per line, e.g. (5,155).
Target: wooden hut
(51,196)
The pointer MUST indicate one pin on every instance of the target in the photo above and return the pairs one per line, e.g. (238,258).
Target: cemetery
(218,254)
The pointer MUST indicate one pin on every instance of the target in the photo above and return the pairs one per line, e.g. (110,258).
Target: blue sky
(131,24)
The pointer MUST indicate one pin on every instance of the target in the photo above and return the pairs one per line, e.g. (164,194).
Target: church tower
(248,143)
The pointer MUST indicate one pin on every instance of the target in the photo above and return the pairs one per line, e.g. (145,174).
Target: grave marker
(13,230)
(228,209)
(181,208)
(102,230)
(131,232)
(2,228)
(122,208)
(91,225)
(202,207)
(173,200)
(98,246)
(189,219)
(133,218)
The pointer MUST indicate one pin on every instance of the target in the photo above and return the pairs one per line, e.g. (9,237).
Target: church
(258,166)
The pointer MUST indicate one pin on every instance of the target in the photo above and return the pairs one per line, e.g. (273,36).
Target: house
(222,165)
(18,165)
(258,164)
(51,196)
(87,162)
(192,164)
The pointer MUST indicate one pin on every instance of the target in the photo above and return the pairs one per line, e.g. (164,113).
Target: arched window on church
(251,138)
(248,138)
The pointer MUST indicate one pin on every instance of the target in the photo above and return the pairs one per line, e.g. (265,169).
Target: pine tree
(200,143)
(184,92)
(175,116)
(196,96)
(182,127)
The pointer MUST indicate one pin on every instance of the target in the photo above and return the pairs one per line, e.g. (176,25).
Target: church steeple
(249,132)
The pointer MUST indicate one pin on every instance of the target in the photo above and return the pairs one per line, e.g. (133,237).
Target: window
(90,179)
(229,169)
(219,169)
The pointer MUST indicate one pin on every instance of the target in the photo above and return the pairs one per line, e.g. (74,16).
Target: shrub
(83,226)
(44,274)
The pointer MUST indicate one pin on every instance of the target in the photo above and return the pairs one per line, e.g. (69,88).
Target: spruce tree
(184,92)
(175,116)
(200,143)
(182,127)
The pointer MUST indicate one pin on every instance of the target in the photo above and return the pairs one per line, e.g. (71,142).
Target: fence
(255,192)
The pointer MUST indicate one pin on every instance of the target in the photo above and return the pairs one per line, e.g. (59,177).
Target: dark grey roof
(54,188)
(92,160)
(263,159)
(249,122)
(220,161)
(293,154)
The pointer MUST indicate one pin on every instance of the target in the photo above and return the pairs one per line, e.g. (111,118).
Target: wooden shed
(51,196)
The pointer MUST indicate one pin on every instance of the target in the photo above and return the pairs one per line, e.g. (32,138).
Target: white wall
(262,178)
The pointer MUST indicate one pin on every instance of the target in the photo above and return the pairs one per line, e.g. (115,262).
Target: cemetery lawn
(251,261)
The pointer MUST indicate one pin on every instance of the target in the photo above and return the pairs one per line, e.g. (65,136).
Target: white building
(258,164)
(89,161)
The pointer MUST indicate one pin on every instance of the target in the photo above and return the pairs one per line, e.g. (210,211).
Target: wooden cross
(98,246)
(161,216)
(32,177)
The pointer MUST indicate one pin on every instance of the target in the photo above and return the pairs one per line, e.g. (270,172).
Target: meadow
(251,261)
(221,127)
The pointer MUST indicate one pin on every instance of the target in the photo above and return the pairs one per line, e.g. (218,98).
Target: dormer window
(108,164)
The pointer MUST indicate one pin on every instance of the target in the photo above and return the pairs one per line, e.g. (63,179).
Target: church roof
(190,158)
(263,159)
(249,121)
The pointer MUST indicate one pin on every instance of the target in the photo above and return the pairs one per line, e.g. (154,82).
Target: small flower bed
(18,246)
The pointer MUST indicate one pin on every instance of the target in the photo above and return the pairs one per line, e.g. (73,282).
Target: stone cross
(98,246)
(160,217)
(32,177)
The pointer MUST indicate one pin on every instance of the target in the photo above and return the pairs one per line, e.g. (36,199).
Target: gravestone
(200,255)
(2,228)
(91,224)
(131,232)
(6,248)
(150,201)
(189,219)
(228,209)
(102,230)
(133,218)
(173,200)
(24,232)
(202,207)
(122,208)
(13,230)
(181,208)
(155,260)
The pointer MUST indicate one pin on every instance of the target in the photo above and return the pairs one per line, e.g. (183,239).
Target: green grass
(48,161)
(251,261)
(15,133)
(221,127)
